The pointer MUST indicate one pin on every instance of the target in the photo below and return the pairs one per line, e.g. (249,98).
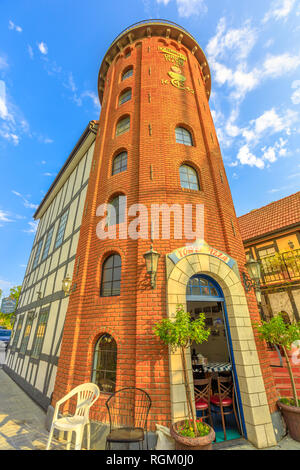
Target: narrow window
(105,364)
(61,229)
(123,126)
(183,136)
(125,96)
(127,53)
(128,73)
(40,334)
(188,178)
(120,163)
(116,210)
(47,244)
(17,332)
(111,276)
(37,254)
(26,336)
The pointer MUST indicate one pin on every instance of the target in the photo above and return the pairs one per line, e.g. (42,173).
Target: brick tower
(157,144)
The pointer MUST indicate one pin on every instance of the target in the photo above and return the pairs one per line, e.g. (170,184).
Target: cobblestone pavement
(22,424)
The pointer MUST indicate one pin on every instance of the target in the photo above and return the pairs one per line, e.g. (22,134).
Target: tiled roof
(270,218)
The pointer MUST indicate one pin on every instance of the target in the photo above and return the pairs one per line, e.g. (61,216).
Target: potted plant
(178,333)
(277,331)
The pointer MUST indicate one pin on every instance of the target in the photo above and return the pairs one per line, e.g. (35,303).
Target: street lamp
(253,281)
(151,258)
(66,285)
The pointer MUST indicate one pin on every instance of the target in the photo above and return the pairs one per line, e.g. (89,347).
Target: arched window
(105,364)
(111,276)
(188,178)
(116,210)
(125,96)
(183,136)
(127,53)
(128,73)
(123,125)
(202,288)
(120,163)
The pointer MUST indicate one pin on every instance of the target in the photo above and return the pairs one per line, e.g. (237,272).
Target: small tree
(277,331)
(179,333)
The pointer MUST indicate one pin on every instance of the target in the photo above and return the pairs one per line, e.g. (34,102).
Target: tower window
(116,210)
(120,163)
(105,364)
(183,136)
(111,276)
(123,126)
(188,178)
(125,96)
(128,73)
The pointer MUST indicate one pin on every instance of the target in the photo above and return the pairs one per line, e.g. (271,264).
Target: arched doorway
(214,358)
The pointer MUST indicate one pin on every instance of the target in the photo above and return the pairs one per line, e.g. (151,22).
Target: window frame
(37,253)
(125,76)
(123,168)
(25,338)
(112,280)
(125,93)
(38,341)
(47,244)
(190,170)
(61,229)
(103,371)
(182,140)
(123,129)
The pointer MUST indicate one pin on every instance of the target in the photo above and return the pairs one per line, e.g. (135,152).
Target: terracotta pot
(191,443)
(291,415)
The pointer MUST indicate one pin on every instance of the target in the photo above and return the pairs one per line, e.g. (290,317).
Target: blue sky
(50,53)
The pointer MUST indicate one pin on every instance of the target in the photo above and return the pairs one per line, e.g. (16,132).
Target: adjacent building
(35,345)
(271,234)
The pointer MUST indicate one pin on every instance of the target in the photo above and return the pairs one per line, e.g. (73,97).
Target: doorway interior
(213,358)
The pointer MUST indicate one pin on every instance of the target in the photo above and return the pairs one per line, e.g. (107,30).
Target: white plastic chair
(87,394)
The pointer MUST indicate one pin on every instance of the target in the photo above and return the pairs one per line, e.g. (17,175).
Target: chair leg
(223,423)
(88,436)
(69,440)
(50,438)
(78,440)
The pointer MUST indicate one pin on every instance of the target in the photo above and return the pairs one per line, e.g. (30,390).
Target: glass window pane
(188,178)
(127,74)
(111,276)
(183,136)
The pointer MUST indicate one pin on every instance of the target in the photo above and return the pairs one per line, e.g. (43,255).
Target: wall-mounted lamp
(151,258)
(291,244)
(39,294)
(66,285)
(253,281)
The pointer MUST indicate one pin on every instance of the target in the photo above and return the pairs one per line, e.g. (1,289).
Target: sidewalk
(22,424)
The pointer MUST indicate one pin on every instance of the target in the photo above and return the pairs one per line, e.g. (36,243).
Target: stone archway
(256,411)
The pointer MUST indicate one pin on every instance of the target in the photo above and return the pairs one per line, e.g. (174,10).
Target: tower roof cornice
(148,28)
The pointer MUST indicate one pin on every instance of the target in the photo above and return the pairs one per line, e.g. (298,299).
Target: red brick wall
(129,318)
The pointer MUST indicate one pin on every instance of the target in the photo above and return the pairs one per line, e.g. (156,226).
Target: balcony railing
(281,267)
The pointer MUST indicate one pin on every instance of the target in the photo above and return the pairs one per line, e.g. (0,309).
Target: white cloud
(237,41)
(245,157)
(33,225)
(30,51)
(14,27)
(188,8)
(280,9)
(4,216)
(43,48)
(296,94)
(275,66)
(26,203)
